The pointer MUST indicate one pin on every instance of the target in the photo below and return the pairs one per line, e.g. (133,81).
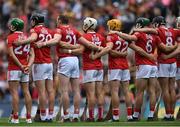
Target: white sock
(129,117)
(75,116)
(151,114)
(50,116)
(66,116)
(115,117)
(168,115)
(43,117)
(136,114)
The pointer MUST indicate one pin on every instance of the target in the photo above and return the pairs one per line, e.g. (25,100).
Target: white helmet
(178,22)
(89,23)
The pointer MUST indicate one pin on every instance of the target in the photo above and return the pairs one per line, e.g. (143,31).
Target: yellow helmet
(114,24)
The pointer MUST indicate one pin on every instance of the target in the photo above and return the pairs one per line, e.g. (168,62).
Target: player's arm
(50,42)
(125,36)
(167,49)
(141,51)
(31,57)
(68,46)
(77,51)
(104,51)
(173,54)
(15,59)
(33,37)
(146,30)
(115,53)
(88,44)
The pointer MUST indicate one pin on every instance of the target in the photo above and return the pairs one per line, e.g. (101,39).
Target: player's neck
(90,31)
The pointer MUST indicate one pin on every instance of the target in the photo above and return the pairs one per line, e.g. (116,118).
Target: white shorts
(118,74)
(146,71)
(17,75)
(167,70)
(42,71)
(69,66)
(178,74)
(92,75)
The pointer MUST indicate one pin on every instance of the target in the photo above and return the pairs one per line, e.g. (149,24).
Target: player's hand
(100,48)
(92,56)
(40,44)
(113,32)
(26,69)
(17,42)
(164,57)
(23,67)
(152,57)
(77,45)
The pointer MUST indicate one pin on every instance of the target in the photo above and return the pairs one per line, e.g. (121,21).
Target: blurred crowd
(102,10)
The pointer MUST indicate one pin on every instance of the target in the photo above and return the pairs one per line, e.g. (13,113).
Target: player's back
(168,37)
(98,40)
(69,35)
(148,42)
(21,52)
(42,55)
(119,45)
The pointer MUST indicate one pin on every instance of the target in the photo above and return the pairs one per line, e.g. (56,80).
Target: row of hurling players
(155,45)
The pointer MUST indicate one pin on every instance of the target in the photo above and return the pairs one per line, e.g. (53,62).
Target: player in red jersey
(176,53)
(93,70)
(68,67)
(42,68)
(167,68)
(147,69)
(20,60)
(119,72)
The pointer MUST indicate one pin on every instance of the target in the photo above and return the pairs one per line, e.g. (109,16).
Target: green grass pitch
(4,122)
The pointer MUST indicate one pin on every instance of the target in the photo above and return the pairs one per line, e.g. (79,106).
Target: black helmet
(159,20)
(38,18)
(142,22)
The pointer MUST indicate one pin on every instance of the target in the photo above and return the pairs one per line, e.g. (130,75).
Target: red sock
(116,112)
(28,116)
(136,110)
(129,111)
(51,111)
(76,111)
(15,115)
(43,112)
(168,111)
(66,112)
(100,112)
(91,113)
(152,108)
(172,111)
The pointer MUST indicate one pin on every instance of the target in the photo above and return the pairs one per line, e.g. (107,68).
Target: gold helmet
(114,24)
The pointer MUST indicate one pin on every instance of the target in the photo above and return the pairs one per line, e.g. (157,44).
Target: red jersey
(42,55)
(168,36)
(148,42)
(21,52)
(121,46)
(177,34)
(69,35)
(98,40)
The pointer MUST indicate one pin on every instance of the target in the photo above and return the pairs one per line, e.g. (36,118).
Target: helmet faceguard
(16,24)
(89,23)
(142,22)
(159,20)
(114,24)
(36,19)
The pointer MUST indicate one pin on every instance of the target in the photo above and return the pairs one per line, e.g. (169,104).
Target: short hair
(64,19)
